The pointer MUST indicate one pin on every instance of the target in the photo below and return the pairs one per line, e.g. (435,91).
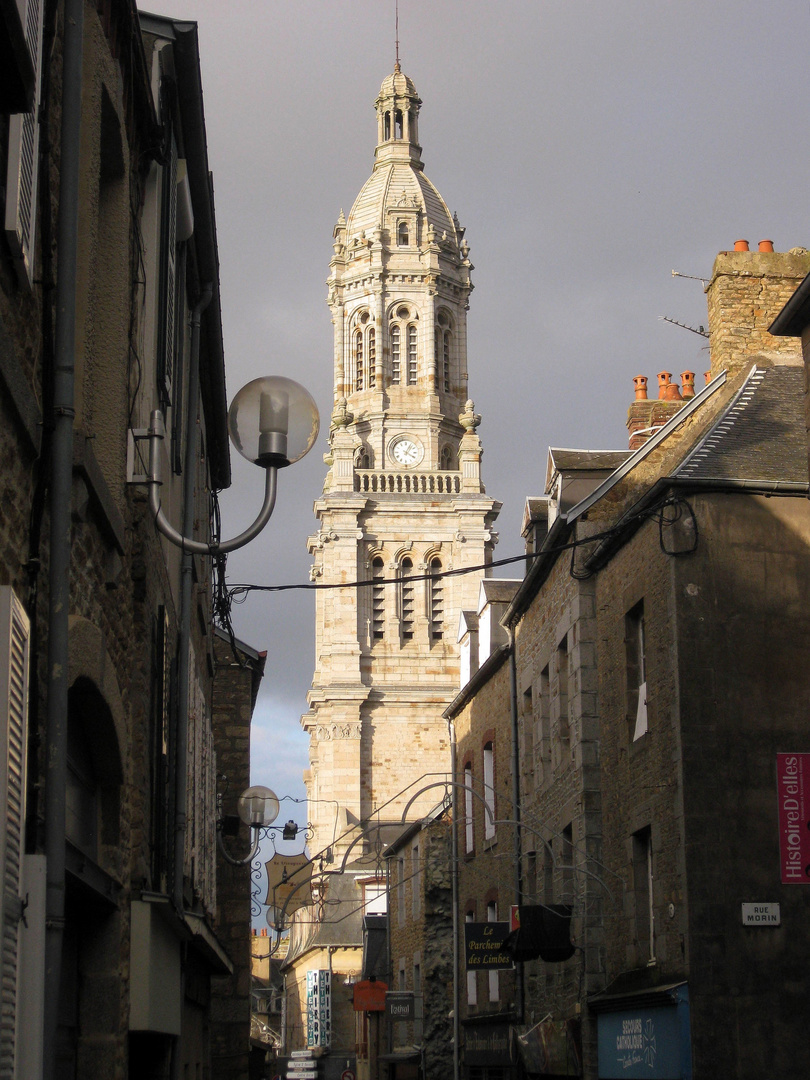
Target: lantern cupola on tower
(398,119)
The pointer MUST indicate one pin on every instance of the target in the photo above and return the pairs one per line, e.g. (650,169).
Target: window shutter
(14,628)
(23,150)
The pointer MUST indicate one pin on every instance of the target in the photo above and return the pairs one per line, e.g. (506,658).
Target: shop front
(646,1034)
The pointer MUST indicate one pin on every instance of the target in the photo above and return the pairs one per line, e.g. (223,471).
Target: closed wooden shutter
(23,151)
(14,630)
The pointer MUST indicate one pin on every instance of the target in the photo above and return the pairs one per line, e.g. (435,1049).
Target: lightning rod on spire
(396,33)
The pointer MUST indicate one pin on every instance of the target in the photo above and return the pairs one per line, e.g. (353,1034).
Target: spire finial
(397,68)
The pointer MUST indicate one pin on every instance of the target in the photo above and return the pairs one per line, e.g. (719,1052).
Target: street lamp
(258,808)
(273,422)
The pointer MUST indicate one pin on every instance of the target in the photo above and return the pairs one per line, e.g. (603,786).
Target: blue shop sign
(650,1041)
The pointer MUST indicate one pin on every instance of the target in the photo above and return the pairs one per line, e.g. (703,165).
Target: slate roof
(759,436)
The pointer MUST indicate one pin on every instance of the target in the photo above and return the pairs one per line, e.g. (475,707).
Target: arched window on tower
(398,124)
(412,356)
(396,357)
(402,234)
(372,356)
(436,600)
(443,351)
(406,600)
(388,125)
(359,372)
(378,599)
(446,460)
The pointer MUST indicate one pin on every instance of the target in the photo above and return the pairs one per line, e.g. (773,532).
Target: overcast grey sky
(590,147)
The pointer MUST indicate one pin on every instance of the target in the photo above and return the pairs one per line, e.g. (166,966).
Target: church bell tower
(403,503)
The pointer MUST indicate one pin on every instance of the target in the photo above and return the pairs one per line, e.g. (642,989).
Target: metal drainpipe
(186,568)
(454,900)
(516,802)
(60,524)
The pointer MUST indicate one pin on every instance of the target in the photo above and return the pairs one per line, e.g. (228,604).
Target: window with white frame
(375,898)
(636,671)
(489,791)
(469,821)
(562,690)
(472,976)
(416,882)
(643,894)
(401,890)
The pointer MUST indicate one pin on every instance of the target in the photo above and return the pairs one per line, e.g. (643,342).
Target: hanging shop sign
(319,1008)
(369,995)
(288,878)
(400,1005)
(793,786)
(484,945)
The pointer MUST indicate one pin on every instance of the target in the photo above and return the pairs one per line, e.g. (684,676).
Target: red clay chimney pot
(741,245)
(707,375)
(673,392)
(640,384)
(663,382)
(688,381)
(766,245)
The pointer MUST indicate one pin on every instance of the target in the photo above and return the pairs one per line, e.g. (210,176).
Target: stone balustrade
(417,483)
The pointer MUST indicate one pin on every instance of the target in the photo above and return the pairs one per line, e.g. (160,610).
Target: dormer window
(402,234)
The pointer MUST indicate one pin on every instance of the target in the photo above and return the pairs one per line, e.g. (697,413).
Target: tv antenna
(700,330)
(692,277)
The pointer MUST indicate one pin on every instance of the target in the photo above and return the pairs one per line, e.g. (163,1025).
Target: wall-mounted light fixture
(272,422)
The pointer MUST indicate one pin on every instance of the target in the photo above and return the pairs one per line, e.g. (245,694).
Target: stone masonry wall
(230,994)
(747,291)
(560,789)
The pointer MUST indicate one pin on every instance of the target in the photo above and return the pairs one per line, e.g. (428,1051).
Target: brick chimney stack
(747,291)
(645,416)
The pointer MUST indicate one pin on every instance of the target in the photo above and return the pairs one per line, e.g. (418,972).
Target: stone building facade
(421,957)
(657,676)
(108,666)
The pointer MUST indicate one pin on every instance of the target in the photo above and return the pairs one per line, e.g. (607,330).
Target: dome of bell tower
(398,189)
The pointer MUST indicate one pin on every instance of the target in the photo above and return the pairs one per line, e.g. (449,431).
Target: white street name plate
(761,915)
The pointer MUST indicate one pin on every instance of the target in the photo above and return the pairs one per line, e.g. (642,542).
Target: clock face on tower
(406,451)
